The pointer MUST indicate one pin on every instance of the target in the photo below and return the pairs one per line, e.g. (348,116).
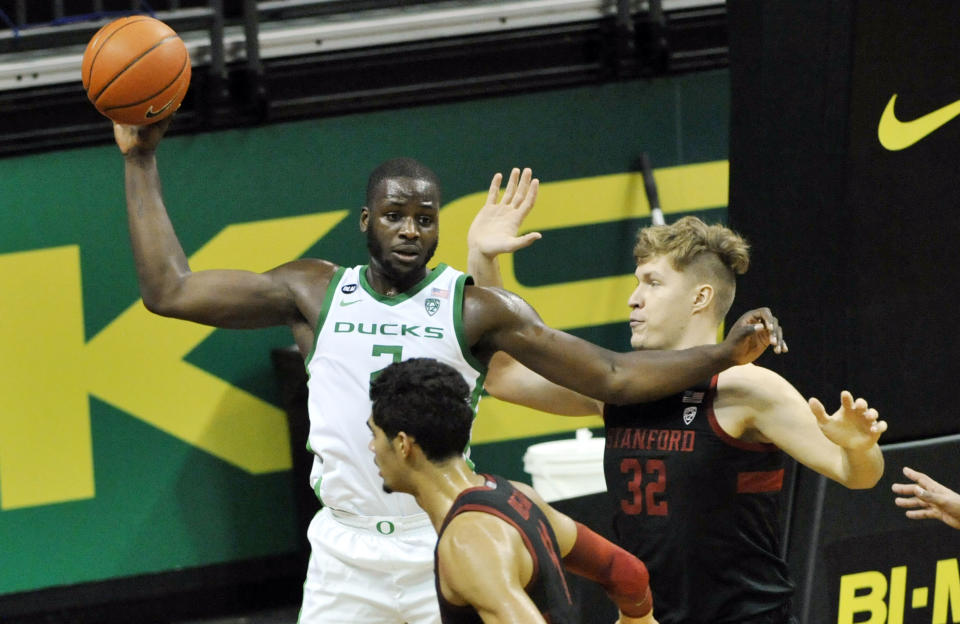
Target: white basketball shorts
(376,570)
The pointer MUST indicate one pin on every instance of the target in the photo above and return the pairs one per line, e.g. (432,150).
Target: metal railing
(267,60)
(35,53)
(40,42)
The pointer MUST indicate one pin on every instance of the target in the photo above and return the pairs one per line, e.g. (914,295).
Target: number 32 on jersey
(649,480)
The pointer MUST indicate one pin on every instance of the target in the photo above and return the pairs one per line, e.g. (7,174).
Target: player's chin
(401,270)
(410,266)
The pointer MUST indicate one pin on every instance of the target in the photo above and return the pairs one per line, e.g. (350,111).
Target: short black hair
(400,168)
(428,400)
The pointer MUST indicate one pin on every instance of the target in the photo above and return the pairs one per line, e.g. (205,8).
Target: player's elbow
(162,308)
(860,484)
(162,302)
(496,388)
(504,388)
(161,291)
(497,381)
(864,481)
(866,476)
(156,303)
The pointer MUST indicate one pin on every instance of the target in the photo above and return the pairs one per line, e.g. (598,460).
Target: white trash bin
(567,468)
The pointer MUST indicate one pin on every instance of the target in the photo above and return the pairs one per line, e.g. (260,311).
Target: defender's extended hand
(927,499)
(753,332)
(494,229)
(855,426)
(140,139)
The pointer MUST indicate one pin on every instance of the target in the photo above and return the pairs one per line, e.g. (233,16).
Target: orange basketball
(136,70)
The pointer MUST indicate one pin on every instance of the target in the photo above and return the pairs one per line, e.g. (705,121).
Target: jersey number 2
(656,470)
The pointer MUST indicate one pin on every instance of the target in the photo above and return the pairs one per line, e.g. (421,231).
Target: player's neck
(439,485)
(697,337)
(386,283)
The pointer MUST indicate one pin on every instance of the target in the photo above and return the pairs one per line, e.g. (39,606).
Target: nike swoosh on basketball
(346,303)
(152,113)
(897,135)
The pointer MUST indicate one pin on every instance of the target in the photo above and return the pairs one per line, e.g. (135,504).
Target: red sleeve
(623,576)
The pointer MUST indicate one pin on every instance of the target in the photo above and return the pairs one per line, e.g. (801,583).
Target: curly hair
(428,400)
(714,253)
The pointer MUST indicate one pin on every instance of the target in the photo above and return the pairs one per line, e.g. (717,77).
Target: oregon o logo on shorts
(385,527)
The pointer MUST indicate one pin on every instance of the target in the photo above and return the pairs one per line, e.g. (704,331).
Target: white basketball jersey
(361,332)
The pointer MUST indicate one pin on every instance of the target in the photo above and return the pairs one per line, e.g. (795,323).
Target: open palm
(494,229)
(855,426)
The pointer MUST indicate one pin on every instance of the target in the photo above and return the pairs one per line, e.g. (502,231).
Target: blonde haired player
(695,476)
(371,551)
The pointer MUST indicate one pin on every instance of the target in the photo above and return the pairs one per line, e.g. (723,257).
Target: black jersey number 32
(649,480)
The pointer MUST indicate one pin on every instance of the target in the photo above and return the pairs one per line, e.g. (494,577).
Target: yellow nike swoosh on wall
(897,135)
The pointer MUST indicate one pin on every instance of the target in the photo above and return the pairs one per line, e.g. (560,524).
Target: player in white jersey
(361,333)
(371,558)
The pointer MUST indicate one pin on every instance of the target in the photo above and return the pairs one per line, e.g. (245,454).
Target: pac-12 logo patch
(431,305)
(689,413)
(348,288)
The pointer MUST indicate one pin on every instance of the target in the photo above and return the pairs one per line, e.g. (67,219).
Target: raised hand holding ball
(136,70)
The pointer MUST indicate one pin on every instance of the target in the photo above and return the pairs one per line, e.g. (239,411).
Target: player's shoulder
(750,382)
(306,278)
(747,373)
(493,300)
(308,268)
(484,294)
(553,516)
(529,492)
(486,307)
(473,546)
(471,532)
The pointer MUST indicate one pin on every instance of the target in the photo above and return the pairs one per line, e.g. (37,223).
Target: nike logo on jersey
(344,304)
(897,135)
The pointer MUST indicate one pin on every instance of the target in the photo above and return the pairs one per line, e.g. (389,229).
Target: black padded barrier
(856,557)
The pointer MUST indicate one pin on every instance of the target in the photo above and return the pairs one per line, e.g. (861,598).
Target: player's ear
(364,218)
(404,443)
(702,297)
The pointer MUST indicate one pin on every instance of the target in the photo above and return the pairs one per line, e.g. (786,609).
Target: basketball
(136,70)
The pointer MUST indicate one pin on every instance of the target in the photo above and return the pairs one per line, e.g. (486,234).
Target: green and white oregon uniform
(361,332)
(371,553)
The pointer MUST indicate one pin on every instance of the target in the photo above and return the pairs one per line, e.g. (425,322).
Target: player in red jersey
(502,551)
(695,477)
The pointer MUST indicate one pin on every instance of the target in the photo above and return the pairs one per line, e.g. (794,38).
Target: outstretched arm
(511,381)
(497,320)
(856,429)
(925,498)
(841,446)
(223,298)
